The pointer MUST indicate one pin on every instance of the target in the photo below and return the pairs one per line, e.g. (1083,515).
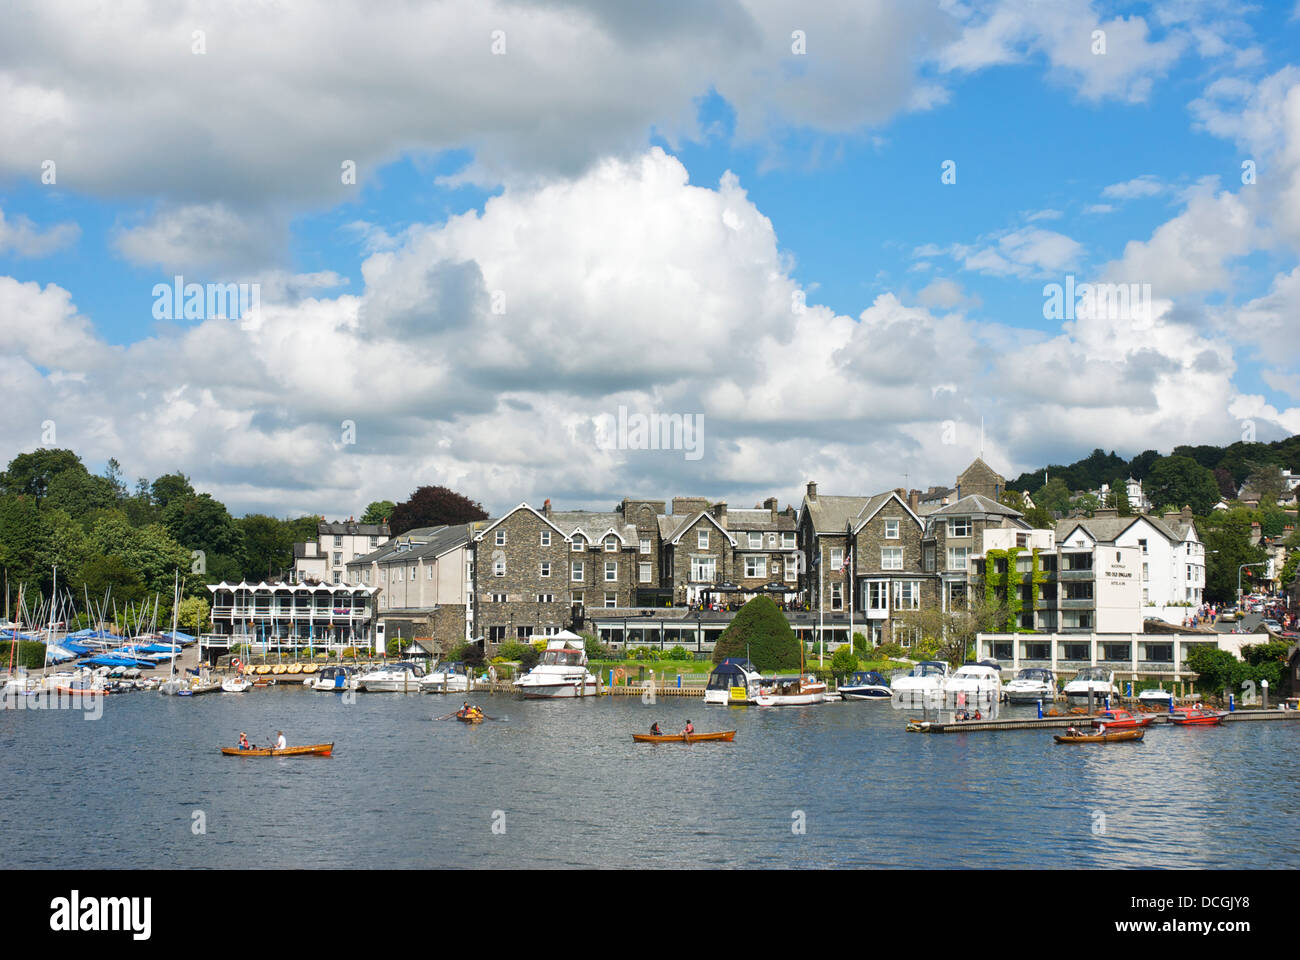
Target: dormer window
(579,544)
(611,544)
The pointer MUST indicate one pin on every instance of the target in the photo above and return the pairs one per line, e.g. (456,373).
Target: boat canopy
(1035,673)
(734,667)
(864,677)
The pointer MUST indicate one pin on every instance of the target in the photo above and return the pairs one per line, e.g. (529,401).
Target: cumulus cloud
(22,238)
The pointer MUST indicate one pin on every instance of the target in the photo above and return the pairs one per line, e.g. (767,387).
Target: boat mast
(49,636)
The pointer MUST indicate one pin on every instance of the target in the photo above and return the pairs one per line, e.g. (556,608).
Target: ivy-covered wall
(1013,583)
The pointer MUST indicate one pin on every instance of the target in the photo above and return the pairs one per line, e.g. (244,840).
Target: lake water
(562,783)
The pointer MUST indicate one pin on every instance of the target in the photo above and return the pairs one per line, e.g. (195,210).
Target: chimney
(770,503)
(546,507)
(720,512)
(1185,513)
(1171,517)
(812,490)
(1105,513)
(914,500)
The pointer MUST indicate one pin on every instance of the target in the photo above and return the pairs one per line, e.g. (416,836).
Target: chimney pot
(812,490)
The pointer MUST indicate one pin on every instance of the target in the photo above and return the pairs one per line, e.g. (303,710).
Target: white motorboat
(923,687)
(446,678)
(1030,685)
(798,691)
(561,673)
(402,677)
(334,678)
(236,684)
(1161,697)
(20,684)
(1097,681)
(734,680)
(975,686)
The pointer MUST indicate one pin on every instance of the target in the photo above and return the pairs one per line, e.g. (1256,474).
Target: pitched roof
(758,518)
(875,504)
(349,528)
(1108,529)
(429,547)
(595,525)
(694,519)
(832,514)
(977,503)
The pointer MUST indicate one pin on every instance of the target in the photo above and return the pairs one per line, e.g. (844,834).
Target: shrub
(595,649)
(678,653)
(30,654)
(888,651)
(844,662)
(350,653)
(761,632)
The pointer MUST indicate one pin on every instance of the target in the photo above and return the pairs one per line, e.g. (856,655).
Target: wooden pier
(1083,720)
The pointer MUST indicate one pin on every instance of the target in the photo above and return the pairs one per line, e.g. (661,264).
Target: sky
(483,242)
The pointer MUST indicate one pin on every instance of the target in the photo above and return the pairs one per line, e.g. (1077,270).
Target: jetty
(1078,719)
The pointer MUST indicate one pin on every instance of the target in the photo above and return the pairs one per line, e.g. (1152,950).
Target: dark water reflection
(568,788)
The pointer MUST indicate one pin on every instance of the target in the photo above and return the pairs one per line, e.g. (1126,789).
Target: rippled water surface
(566,787)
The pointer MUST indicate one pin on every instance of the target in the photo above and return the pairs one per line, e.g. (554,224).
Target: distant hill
(1100,467)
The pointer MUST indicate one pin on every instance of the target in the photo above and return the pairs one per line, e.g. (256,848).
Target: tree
(1181,480)
(1226,536)
(267,543)
(1227,485)
(1117,499)
(1053,496)
(1216,669)
(953,631)
(192,615)
(431,507)
(760,632)
(31,473)
(1088,503)
(378,511)
(103,574)
(170,487)
(1265,480)
(202,523)
(79,493)
(1140,466)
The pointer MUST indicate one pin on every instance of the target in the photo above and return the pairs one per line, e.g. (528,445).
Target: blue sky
(925,299)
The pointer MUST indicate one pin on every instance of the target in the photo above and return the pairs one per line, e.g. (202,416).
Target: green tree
(192,616)
(1216,670)
(432,506)
(1181,480)
(378,511)
(1117,499)
(31,473)
(170,487)
(1226,536)
(202,523)
(104,575)
(844,662)
(267,546)
(1053,496)
(760,632)
(1087,502)
(23,541)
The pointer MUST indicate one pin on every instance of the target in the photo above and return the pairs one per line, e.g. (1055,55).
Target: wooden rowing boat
(684,737)
(1107,737)
(470,717)
(313,749)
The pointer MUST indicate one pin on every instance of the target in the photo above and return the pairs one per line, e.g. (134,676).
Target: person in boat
(654,729)
(280,742)
(243,741)
(977,715)
(689,729)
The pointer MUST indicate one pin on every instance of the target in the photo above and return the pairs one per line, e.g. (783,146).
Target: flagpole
(853,584)
(821,604)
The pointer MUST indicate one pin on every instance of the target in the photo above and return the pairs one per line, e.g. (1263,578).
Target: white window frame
(891,558)
(544,569)
(611,571)
(501,538)
(579,544)
(700,564)
(611,544)
(611,601)
(787,541)
(912,600)
(755,541)
(755,566)
(896,535)
(544,538)
(837,558)
(644,546)
(577,571)
(498,568)
(953,527)
(702,539)
(881,589)
(645,572)
(965,555)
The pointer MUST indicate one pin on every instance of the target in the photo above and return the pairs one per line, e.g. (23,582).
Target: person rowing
(243,741)
(280,742)
(690,728)
(654,729)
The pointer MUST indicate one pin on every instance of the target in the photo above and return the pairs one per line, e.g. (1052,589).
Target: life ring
(620,675)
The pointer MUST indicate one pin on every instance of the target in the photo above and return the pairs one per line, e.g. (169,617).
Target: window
(501,538)
(497,597)
(792,571)
(877,592)
(397,575)
(755,541)
(374,542)
(959,527)
(837,595)
(544,569)
(755,567)
(611,600)
(496,634)
(338,541)
(958,558)
(579,544)
(787,541)
(338,577)
(891,558)
(611,544)
(545,538)
(524,631)
(1143,545)
(957,599)
(702,539)
(498,568)
(904,635)
(577,574)
(645,546)
(413,574)
(907,595)
(611,571)
(891,529)
(338,559)
(703,569)
(927,557)
(1145,574)
(644,572)
(576,597)
(837,558)
(546,598)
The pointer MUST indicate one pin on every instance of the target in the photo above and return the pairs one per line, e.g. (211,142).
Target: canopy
(733,667)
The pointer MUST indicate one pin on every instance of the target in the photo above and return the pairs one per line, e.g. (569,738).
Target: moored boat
(1095,682)
(733,680)
(1196,717)
(683,737)
(1108,736)
(445,678)
(401,677)
(561,673)
(865,685)
(333,678)
(313,750)
(800,691)
(236,684)
(1121,720)
(1031,684)
(923,687)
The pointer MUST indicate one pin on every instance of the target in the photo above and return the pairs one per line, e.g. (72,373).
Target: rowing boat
(683,737)
(1107,737)
(313,749)
(470,717)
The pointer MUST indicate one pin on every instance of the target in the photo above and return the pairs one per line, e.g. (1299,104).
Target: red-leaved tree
(432,506)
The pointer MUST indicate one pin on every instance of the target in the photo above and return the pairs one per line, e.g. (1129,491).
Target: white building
(290,618)
(325,559)
(1172,556)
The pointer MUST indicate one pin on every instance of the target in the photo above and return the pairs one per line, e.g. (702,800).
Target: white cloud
(200,237)
(23,238)
(1025,252)
(1146,185)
